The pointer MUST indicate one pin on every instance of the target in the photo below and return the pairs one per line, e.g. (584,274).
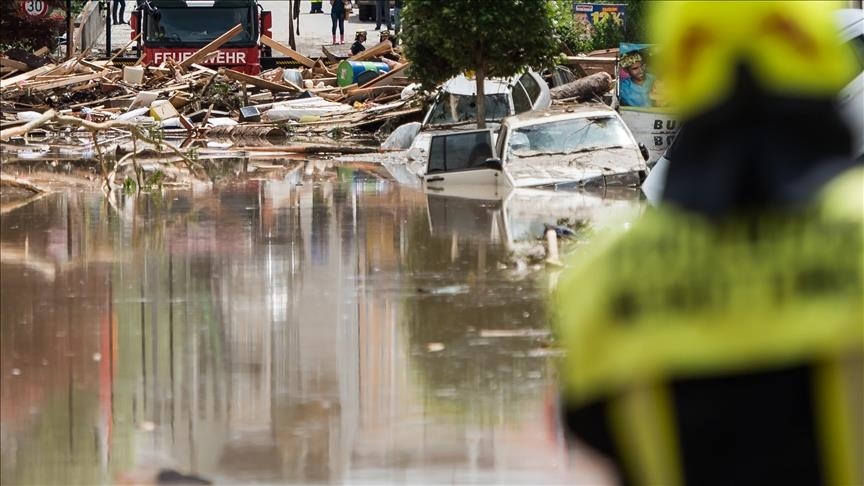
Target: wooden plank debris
(376,51)
(21,130)
(258,82)
(94,92)
(17,65)
(26,76)
(212,47)
(386,76)
(287,51)
(65,81)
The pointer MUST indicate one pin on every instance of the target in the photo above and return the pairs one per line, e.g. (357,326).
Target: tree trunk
(480,77)
(587,87)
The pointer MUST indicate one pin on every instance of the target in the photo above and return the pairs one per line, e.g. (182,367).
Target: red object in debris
(133,24)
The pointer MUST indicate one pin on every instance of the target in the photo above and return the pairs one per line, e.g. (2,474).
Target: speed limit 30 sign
(35,8)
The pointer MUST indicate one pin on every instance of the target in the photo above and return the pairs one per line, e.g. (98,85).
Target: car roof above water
(462,85)
(558,112)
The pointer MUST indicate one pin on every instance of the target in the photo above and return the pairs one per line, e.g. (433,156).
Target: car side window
(531,87)
(857,44)
(521,103)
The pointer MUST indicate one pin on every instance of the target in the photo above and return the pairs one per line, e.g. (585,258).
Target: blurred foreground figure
(720,340)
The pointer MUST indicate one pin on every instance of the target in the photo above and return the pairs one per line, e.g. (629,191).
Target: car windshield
(452,108)
(198,26)
(568,136)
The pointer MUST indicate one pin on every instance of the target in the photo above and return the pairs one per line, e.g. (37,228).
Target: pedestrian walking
(316,6)
(337,18)
(382,14)
(118,9)
(397,16)
(719,340)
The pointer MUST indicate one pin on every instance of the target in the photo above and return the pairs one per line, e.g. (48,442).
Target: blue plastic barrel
(348,71)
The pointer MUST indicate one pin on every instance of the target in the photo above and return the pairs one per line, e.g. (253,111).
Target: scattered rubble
(116,113)
(193,99)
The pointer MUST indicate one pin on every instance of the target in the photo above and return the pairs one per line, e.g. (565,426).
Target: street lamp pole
(70,30)
(108,28)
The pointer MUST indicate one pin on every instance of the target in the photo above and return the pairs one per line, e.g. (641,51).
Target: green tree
(635,22)
(491,38)
(608,34)
(17,29)
(581,38)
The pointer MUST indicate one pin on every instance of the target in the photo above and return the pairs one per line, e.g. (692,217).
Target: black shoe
(378,28)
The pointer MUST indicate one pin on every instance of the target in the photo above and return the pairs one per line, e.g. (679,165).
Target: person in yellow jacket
(720,339)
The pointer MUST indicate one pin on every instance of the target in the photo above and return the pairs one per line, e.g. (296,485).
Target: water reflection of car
(514,216)
(578,146)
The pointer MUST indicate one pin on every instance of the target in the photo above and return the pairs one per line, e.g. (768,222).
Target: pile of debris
(191,100)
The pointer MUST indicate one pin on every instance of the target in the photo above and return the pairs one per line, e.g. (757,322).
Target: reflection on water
(269,331)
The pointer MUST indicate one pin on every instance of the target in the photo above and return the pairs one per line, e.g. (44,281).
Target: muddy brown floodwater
(315,327)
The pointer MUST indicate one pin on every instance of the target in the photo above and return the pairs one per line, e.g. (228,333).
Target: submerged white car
(577,146)
(455,108)
(456,103)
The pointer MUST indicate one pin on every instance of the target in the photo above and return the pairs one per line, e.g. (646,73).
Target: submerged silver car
(579,145)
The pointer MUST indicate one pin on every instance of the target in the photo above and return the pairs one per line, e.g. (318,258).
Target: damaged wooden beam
(17,65)
(26,76)
(386,76)
(65,81)
(212,47)
(287,51)
(376,51)
(258,82)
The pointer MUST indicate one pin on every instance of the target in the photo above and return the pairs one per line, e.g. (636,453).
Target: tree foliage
(17,29)
(489,38)
(606,34)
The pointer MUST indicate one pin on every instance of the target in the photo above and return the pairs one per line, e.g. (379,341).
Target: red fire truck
(177,28)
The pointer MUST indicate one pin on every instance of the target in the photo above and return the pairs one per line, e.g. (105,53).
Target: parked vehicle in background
(575,147)
(175,29)
(366,8)
(851,99)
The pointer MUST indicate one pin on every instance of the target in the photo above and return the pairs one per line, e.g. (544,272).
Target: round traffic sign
(35,8)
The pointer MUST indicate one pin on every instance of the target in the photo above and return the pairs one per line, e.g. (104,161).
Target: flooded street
(324,326)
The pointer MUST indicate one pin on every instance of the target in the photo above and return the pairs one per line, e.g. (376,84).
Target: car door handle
(435,179)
